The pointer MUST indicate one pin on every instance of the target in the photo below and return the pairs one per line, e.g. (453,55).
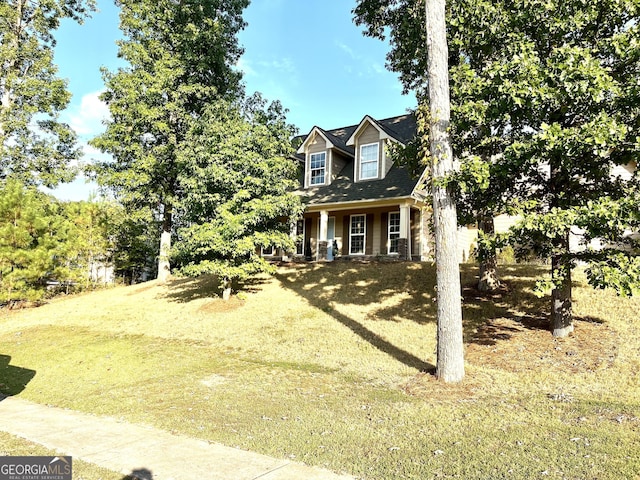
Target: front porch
(396,231)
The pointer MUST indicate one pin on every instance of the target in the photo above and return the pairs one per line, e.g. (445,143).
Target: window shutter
(384,233)
(307,236)
(346,228)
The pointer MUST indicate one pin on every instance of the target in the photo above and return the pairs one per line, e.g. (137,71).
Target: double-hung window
(318,168)
(358,231)
(394,231)
(369,161)
(267,251)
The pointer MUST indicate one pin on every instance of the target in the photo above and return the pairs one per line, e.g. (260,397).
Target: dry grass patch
(328,364)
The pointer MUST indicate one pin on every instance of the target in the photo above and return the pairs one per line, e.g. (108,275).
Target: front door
(331,235)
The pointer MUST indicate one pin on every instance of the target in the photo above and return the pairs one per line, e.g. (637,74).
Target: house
(359,202)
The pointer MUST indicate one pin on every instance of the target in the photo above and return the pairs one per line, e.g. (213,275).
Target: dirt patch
(217,305)
(527,344)
(517,346)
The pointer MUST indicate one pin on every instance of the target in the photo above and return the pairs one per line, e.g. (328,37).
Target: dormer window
(369,161)
(318,168)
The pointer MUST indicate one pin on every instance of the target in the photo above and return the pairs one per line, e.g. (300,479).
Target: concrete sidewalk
(145,452)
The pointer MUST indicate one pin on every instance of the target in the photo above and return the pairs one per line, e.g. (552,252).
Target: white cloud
(87,118)
(379,69)
(91,154)
(348,50)
(284,65)
(244,66)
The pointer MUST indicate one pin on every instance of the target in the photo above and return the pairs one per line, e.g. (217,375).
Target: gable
(365,125)
(360,152)
(369,135)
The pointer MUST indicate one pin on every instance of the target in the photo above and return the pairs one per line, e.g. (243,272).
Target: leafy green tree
(181,57)
(34,145)
(570,82)
(238,181)
(555,86)
(478,136)
(91,242)
(135,236)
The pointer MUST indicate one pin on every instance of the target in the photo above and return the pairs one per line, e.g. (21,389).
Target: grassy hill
(329,364)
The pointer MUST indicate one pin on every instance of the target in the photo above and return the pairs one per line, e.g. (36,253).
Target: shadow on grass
(516,302)
(139,474)
(412,285)
(183,290)
(363,285)
(13,379)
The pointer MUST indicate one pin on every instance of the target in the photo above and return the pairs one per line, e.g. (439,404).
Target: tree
(33,242)
(477,131)
(420,54)
(570,79)
(34,145)
(555,86)
(91,243)
(135,235)
(181,57)
(238,181)
(450,361)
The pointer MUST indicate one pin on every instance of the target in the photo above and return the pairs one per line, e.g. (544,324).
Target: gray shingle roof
(397,183)
(401,127)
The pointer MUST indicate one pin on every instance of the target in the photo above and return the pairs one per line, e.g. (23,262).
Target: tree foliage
(238,181)
(551,89)
(43,240)
(35,146)
(180,57)
(570,82)
(478,137)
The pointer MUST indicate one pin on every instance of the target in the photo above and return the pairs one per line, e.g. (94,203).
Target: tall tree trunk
(561,302)
(164,268)
(488,278)
(450,362)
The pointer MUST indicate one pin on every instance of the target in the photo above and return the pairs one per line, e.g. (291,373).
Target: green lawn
(325,364)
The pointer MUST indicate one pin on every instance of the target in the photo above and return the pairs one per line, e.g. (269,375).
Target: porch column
(404,242)
(322,241)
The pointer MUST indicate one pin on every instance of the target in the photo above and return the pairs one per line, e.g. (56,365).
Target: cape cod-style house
(359,203)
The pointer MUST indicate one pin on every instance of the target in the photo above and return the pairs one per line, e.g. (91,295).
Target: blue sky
(306,53)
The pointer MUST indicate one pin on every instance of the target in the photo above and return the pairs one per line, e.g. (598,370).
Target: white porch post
(405,228)
(324,225)
(322,241)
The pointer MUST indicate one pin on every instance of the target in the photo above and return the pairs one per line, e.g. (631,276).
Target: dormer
(325,156)
(369,141)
